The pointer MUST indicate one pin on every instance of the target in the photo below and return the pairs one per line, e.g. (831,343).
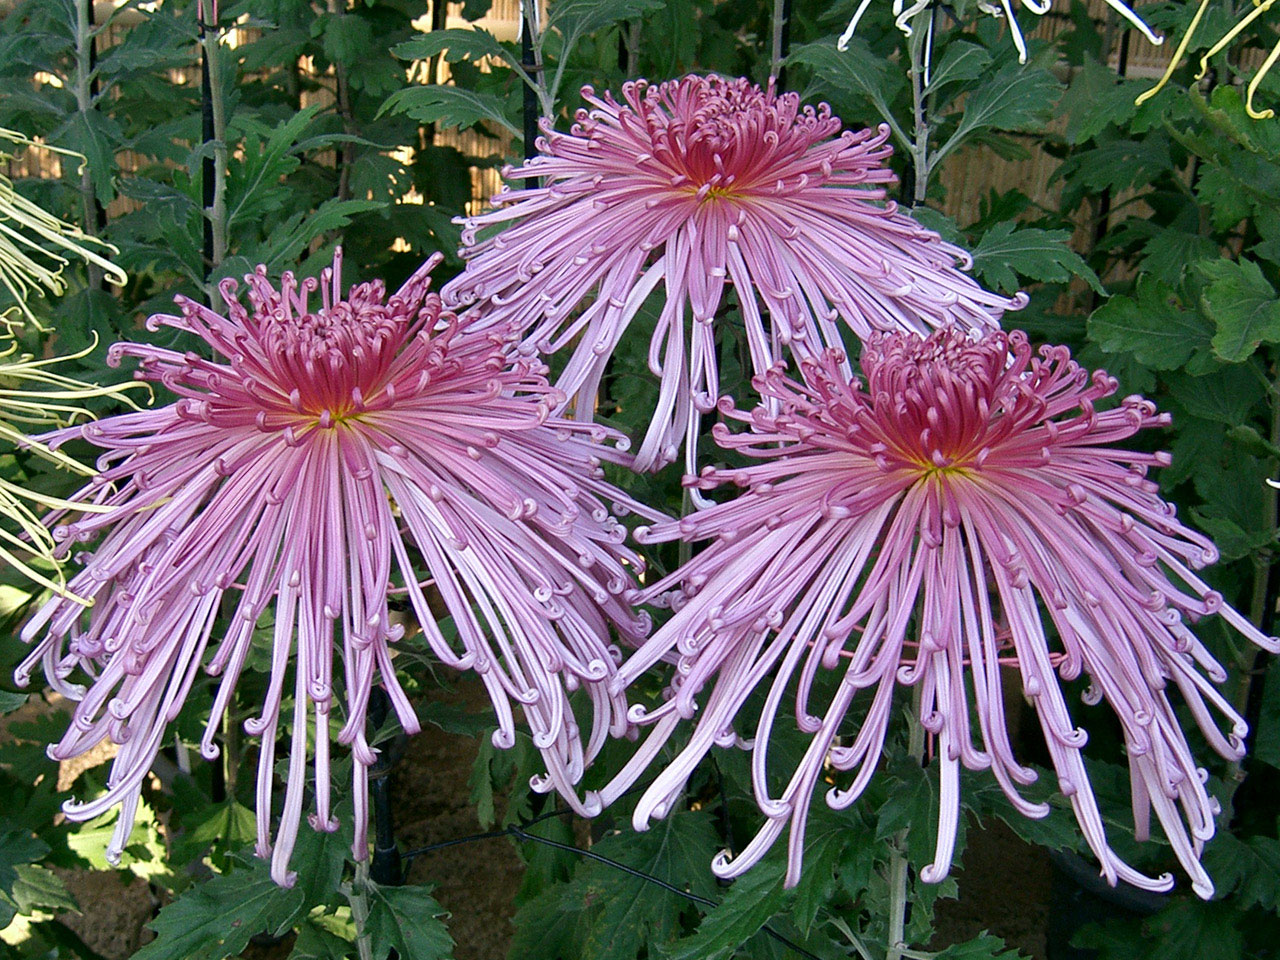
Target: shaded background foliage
(1149,238)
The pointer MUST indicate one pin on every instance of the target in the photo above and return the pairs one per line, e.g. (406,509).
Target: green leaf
(1150,326)
(216,919)
(449,106)
(603,912)
(1184,930)
(37,888)
(1244,307)
(855,68)
(752,900)
(961,61)
(456,44)
(1248,870)
(1007,250)
(634,912)
(10,702)
(316,943)
(347,38)
(982,947)
(1225,396)
(17,846)
(1171,252)
(1095,99)
(1016,98)
(407,920)
(823,850)
(577,18)
(1222,192)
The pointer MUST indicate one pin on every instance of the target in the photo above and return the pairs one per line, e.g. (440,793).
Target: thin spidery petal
(693,185)
(332,452)
(904,19)
(959,511)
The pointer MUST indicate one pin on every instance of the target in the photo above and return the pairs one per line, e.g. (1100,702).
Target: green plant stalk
(217,213)
(358,896)
(920,159)
(775,47)
(534,74)
(84,103)
(896,947)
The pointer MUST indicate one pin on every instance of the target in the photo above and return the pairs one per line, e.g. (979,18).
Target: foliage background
(1150,241)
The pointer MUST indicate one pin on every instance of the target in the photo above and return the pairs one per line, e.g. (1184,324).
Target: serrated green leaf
(1007,251)
(39,889)
(822,854)
(346,37)
(1222,192)
(982,947)
(1150,326)
(754,897)
(1095,99)
(855,68)
(634,912)
(1248,870)
(1184,930)
(456,44)
(577,18)
(1244,308)
(216,919)
(407,920)
(961,61)
(449,106)
(17,846)
(1016,98)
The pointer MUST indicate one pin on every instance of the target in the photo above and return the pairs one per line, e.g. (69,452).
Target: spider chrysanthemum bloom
(34,395)
(1260,8)
(963,513)
(906,11)
(335,453)
(33,241)
(693,184)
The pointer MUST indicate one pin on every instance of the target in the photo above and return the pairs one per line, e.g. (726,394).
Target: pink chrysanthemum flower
(962,512)
(331,453)
(692,184)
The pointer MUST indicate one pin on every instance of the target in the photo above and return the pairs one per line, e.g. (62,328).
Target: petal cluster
(329,456)
(962,511)
(692,185)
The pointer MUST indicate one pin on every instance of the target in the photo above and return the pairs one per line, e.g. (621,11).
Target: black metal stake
(385,868)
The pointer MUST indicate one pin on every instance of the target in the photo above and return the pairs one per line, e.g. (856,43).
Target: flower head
(694,184)
(963,511)
(905,12)
(31,238)
(1260,7)
(33,394)
(330,453)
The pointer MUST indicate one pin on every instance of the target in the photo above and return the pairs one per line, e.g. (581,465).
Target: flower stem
(896,947)
(359,900)
(217,210)
(919,49)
